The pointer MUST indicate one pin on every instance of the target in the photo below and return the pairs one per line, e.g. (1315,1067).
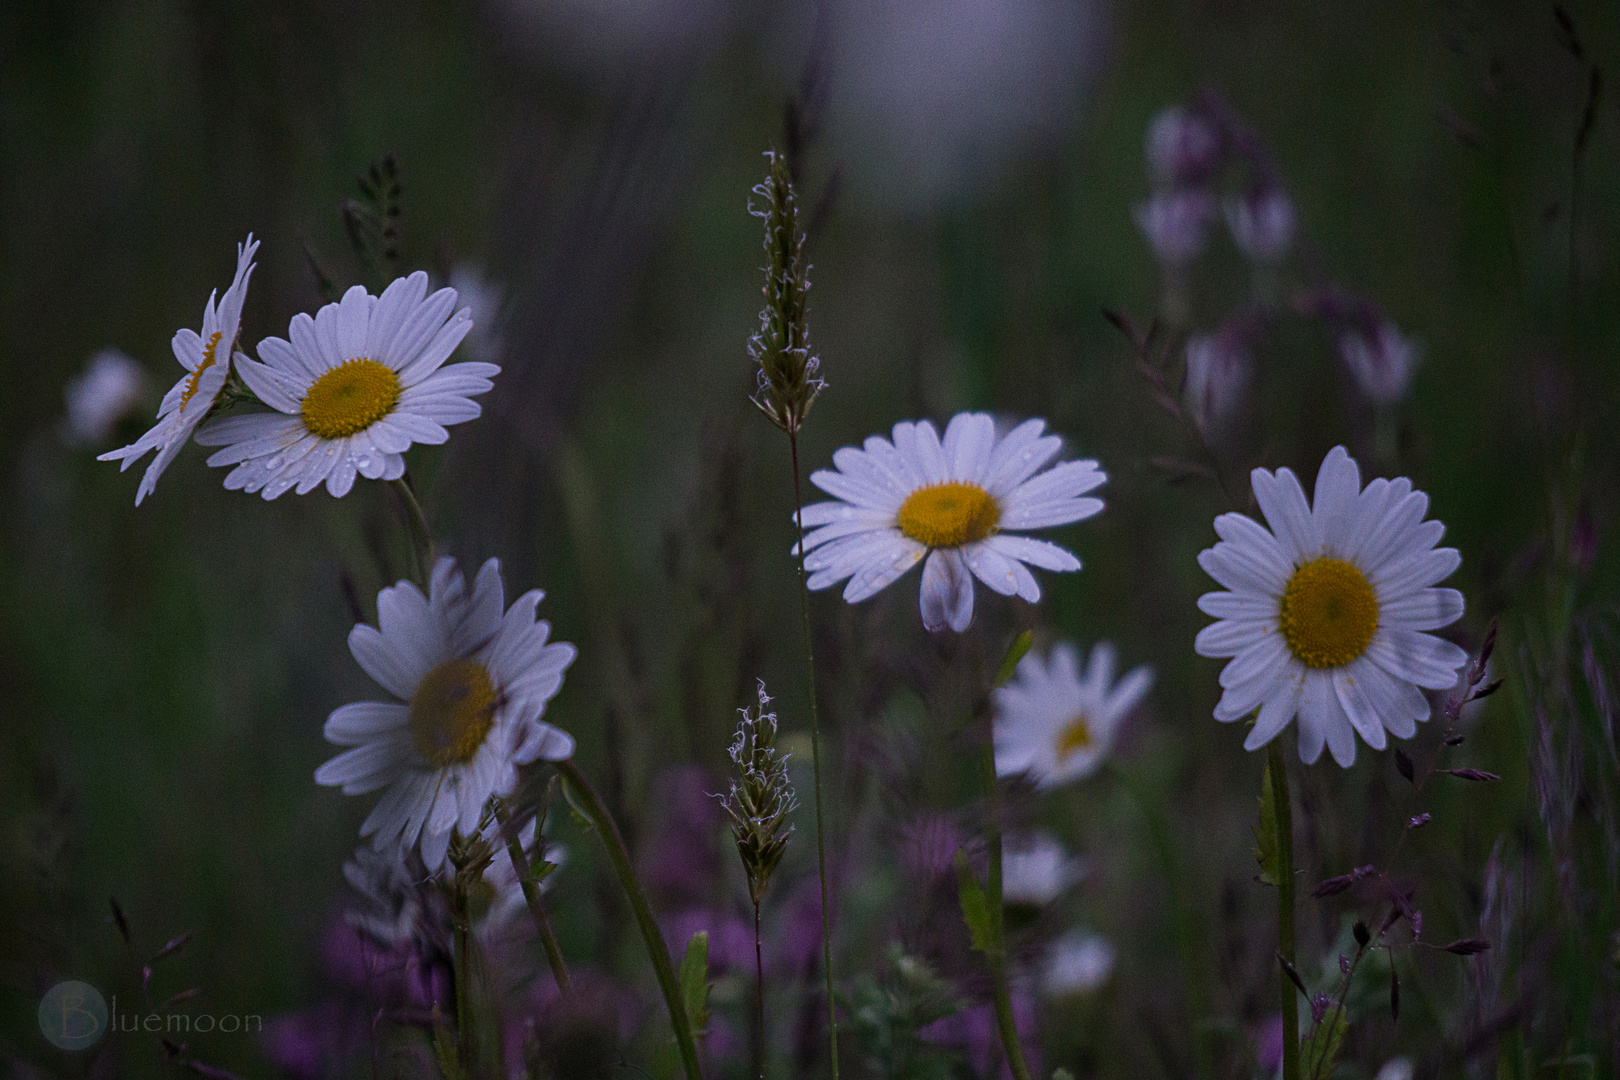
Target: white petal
(354,724)
(897,555)
(1232,636)
(1278,708)
(1338,490)
(1425,609)
(398,674)
(1282,501)
(1359,707)
(968,440)
(994,569)
(1428,661)
(1041,553)
(946,595)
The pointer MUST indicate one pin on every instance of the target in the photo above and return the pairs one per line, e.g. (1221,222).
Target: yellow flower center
(350,398)
(948,515)
(1075,736)
(196,376)
(1328,613)
(452,712)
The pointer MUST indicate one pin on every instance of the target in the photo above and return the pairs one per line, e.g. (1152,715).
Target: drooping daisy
(951,501)
(207,360)
(354,387)
(471,685)
(1327,612)
(1056,721)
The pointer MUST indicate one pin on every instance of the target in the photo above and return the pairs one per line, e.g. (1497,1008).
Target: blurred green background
(164,673)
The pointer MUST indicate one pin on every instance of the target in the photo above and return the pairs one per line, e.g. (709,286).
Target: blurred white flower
(189,400)
(392,913)
(1381,363)
(1175,224)
(898,502)
(1056,722)
(504,912)
(354,388)
(1077,963)
(111,388)
(1397,1068)
(1329,611)
(934,97)
(1183,147)
(484,299)
(1262,223)
(1219,367)
(471,684)
(1035,869)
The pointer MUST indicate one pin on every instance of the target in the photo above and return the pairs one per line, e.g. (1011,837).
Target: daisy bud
(1380,359)
(1183,146)
(1262,223)
(787,372)
(1174,223)
(1219,366)
(761,796)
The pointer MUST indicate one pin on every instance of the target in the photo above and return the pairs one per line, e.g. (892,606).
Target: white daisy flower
(951,501)
(471,685)
(1327,612)
(207,360)
(354,387)
(1077,963)
(1035,869)
(1056,722)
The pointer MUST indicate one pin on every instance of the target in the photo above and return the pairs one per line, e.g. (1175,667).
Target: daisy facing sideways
(1056,721)
(954,502)
(353,388)
(471,685)
(1328,612)
(207,360)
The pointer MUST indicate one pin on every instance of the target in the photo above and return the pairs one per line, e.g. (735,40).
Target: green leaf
(1062,1074)
(1322,1047)
(1265,833)
(444,1049)
(695,981)
(1015,652)
(975,909)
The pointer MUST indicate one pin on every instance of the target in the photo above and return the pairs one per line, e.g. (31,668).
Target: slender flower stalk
(416,525)
(531,896)
(619,856)
(1285,904)
(788,385)
(996,956)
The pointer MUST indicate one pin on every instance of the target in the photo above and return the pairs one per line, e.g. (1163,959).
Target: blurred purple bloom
(1174,223)
(1380,360)
(1219,367)
(1183,147)
(1268,1044)
(796,943)
(306,1044)
(928,844)
(1262,223)
(974,1030)
(679,859)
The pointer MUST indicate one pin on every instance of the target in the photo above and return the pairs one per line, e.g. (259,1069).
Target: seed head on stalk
(761,796)
(788,381)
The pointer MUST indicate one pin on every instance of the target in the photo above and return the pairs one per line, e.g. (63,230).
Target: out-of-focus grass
(164,672)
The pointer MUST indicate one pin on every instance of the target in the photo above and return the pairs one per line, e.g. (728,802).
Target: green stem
(815,760)
(463,969)
(996,956)
(1285,904)
(416,523)
(531,895)
(608,830)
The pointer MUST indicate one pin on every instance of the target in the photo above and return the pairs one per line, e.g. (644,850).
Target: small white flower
(1035,869)
(951,501)
(1382,363)
(1175,223)
(207,360)
(1397,1068)
(471,684)
(1077,963)
(1262,223)
(1219,367)
(111,388)
(1328,611)
(392,913)
(1056,722)
(354,387)
(485,300)
(1182,147)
